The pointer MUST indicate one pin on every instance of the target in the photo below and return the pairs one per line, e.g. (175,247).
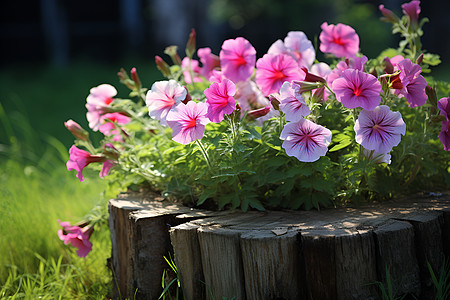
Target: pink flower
(162,97)
(340,40)
(190,67)
(237,59)
(209,62)
(77,237)
(412,10)
(110,124)
(355,62)
(292,103)
(305,140)
(107,165)
(79,159)
(188,121)
(444,106)
(220,101)
(217,76)
(97,103)
(379,129)
(322,70)
(298,46)
(273,70)
(413,83)
(357,89)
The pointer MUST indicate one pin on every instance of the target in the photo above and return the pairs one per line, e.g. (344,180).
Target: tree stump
(329,254)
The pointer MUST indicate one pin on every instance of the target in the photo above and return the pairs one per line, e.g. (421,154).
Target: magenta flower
(237,59)
(305,140)
(292,103)
(190,67)
(340,40)
(188,121)
(107,165)
(355,62)
(357,89)
(379,129)
(97,104)
(444,106)
(162,97)
(273,70)
(412,10)
(110,125)
(77,237)
(209,62)
(297,45)
(79,159)
(388,14)
(413,83)
(220,101)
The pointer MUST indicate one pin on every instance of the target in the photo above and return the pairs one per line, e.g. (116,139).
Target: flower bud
(124,79)
(431,93)
(312,77)
(77,130)
(393,80)
(135,77)
(419,60)
(188,96)
(172,52)
(162,66)
(318,94)
(258,113)
(303,86)
(388,67)
(389,16)
(190,46)
(275,102)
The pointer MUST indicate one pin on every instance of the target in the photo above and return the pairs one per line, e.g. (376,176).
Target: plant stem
(204,152)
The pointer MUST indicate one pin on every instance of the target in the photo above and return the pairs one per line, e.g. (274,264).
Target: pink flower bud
(190,46)
(431,93)
(258,113)
(188,96)
(77,130)
(135,77)
(162,66)
(312,77)
(389,16)
(419,59)
(303,86)
(275,102)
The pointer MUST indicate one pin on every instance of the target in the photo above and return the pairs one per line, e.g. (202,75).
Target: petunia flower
(340,40)
(162,97)
(237,59)
(305,140)
(188,121)
(97,104)
(292,103)
(273,70)
(298,46)
(357,63)
(322,70)
(110,124)
(76,236)
(220,101)
(444,106)
(209,61)
(79,159)
(379,129)
(357,89)
(413,83)
(412,10)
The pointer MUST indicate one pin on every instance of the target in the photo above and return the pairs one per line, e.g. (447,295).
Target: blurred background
(54,51)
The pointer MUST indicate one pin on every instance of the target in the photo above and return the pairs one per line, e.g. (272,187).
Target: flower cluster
(236,128)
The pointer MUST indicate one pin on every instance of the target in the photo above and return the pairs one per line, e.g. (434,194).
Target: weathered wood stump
(328,254)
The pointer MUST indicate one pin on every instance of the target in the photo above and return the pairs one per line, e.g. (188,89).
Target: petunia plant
(280,129)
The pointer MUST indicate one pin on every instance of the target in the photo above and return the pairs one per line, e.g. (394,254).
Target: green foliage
(441,284)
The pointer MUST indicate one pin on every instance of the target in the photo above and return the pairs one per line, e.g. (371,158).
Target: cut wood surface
(329,254)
